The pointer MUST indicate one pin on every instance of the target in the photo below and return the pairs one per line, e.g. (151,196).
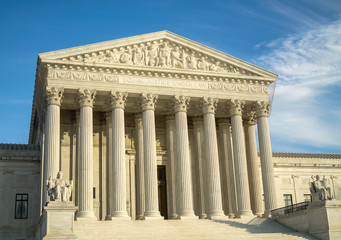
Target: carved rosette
(118,99)
(249,116)
(262,109)
(209,105)
(180,103)
(147,101)
(86,97)
(236,107)
(54,96)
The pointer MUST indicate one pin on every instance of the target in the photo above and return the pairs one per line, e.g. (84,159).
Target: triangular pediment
(158,51)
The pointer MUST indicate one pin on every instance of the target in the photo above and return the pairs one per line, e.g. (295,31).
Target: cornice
(306,155)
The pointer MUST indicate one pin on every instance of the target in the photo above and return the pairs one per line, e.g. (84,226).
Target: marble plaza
(150,127)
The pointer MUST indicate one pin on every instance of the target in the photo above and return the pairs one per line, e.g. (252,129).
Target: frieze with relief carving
(230,86)
(162,54)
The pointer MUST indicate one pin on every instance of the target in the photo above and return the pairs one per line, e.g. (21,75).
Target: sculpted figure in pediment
(152,55)
(138,57)
(126,56)
(176,58)
(202,64)
(165,55)
(192,62)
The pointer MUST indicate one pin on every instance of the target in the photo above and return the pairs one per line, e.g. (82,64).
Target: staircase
(247,228)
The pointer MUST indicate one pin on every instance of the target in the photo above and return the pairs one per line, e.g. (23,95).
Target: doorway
(162,190)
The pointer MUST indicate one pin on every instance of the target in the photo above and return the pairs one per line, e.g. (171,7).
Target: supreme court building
(156,126)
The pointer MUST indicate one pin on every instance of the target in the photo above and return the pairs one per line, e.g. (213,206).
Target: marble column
(119,196)
(148,101)
(243,195)
(140,202)
(184,181)
(212,158)
(52,136)
(269,186)
(171,188)
(253,163)
(108,119)
(86,99)
(198,129)
(224,127)
(232,173)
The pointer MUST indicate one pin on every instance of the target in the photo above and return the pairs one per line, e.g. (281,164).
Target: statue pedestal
(58,220)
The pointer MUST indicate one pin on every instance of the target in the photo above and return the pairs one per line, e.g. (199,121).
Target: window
(307,197)
(21,206)
(287,199)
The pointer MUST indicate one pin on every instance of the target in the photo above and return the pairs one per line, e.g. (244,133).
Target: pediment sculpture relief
(320,189)
(59,189)
(163,54)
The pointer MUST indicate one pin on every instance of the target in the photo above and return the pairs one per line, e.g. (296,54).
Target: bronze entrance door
(162,190)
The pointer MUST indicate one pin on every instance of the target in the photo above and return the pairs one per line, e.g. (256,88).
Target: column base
(86,216)
(173,216)
(216,214)
(188,217)
(153,216)
(120,216)
(108,218)
(203,216)
(231,215)
(140,217)
(245,213)
(267,214)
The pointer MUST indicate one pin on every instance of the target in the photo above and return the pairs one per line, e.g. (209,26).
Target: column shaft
(119,207)
(239,151)
(52,145)
(150,165)
(269,186)
(171,189)
(52,137)
(224,167)
(109,164)
(212,159)
(86,164)
(85,208)
(140,198)
(184,167)
(198,128)
(232,174)
(253,168)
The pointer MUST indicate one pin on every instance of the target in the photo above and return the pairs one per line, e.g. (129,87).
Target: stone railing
(279,212)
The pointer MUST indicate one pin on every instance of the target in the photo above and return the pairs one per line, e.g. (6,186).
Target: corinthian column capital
(180,103)
(262,108)
(54,96)
(209,105)
(118,99)
(147,101)
(86,97)
(249,116)
(236,107)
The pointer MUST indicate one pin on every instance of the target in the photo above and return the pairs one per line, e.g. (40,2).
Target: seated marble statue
(320,189)
(59,189)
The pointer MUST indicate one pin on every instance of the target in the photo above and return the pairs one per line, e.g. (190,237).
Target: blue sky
(298,39)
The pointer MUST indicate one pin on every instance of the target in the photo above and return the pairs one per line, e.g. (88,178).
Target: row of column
(239,174)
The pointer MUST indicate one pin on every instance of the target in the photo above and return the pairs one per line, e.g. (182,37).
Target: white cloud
(306,108)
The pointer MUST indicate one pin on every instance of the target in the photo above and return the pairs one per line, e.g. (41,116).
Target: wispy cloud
(306,108)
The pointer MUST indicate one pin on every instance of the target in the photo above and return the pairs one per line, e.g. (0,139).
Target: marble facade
(110,115)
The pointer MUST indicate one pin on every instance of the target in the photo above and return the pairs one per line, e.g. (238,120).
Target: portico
(125,106)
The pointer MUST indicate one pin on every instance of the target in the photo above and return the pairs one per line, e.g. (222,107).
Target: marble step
(251,228)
